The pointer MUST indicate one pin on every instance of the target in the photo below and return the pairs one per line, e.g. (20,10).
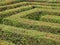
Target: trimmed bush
(8,2)
(27,37)
(47,7)
(39,3)
(11,6)
(50,18)
(18,21)
(2,8)
(30,23)
(14,11)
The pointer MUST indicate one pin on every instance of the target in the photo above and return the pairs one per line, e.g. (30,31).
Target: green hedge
(50,18)
(42,16)
(55,1)
(11,6)
(47,7)
(14,11)
(27,37)
(2,8)
(42,3)
(18,21)
(8,2)
(50,11)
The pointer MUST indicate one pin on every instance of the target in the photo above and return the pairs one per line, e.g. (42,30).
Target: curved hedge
(27,37)
(18,21)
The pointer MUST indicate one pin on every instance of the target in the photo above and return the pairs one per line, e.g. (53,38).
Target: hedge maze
(30,23)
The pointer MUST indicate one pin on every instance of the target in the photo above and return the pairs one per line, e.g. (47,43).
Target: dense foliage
(29,22)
